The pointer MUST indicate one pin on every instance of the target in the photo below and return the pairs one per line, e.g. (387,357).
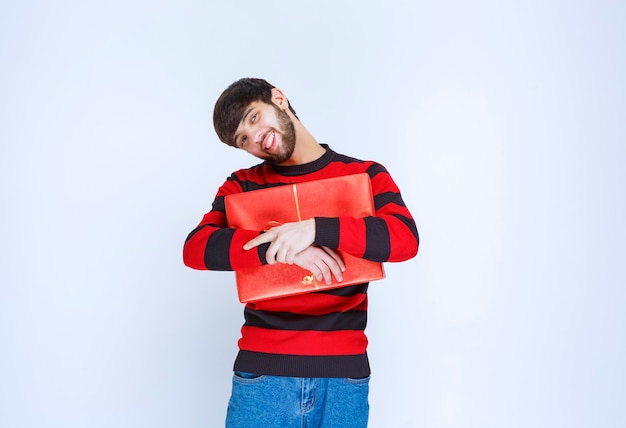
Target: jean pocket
(245,377)
(357,381)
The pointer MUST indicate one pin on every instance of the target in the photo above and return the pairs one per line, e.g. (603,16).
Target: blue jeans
(293,402)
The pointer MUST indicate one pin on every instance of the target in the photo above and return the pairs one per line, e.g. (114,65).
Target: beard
(288,137)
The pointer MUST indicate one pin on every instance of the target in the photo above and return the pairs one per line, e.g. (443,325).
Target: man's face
(267,132)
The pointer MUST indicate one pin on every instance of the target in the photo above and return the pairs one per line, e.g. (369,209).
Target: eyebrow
(243,118)
(246,113)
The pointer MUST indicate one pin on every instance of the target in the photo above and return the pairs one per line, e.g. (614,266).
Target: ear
(280,99)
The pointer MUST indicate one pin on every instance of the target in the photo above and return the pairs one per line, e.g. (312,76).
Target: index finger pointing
(255,242)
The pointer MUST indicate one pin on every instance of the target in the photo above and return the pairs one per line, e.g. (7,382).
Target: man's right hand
(322,262)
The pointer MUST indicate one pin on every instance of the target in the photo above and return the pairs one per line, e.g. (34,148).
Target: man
(302,360)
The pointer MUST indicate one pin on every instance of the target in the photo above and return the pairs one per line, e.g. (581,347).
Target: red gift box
(349,195)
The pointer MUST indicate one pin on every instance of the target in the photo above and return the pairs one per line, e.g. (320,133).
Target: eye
(253,118)
(242,141)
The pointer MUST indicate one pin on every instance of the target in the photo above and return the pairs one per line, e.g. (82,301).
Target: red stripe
(384,183)
(193,253)
(350,229)
(239,257)
(344,342)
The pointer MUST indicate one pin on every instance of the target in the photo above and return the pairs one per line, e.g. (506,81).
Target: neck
(307,148)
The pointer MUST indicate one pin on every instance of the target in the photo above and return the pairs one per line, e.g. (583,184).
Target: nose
(250,135)
(257,136)
(253,135)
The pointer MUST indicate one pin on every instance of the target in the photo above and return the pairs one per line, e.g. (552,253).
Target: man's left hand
(285,240)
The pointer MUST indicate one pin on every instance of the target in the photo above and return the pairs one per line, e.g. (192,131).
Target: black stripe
(218,204)
(385,198)
(199,228)
(350,320)
(322,226)
(262,252)
(410,223)
(249,186)
(349,291)
(218,260)
(377,241)
(354,366)
(376,169)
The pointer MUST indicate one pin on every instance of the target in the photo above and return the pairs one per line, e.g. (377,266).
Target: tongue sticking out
(269,141)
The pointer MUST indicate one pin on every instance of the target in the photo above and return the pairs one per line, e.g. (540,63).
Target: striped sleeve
(214,246)
(388,236)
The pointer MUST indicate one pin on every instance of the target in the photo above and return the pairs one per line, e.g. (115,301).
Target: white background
(503,122)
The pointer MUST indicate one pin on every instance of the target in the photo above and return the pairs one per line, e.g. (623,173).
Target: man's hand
(286,241)
(322,262)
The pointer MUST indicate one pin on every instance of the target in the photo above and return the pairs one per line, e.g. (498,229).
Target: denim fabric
(291,402)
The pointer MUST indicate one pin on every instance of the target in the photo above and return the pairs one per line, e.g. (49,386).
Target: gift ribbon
(309,279)
(295,196)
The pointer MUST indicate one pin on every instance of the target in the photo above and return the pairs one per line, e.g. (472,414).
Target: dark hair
(230,106)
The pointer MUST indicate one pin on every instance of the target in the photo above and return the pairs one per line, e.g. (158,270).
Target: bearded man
(302,359)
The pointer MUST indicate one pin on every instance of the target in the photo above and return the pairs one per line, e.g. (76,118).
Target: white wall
(503,123)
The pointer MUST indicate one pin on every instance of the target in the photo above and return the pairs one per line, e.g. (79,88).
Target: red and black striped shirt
(319,334)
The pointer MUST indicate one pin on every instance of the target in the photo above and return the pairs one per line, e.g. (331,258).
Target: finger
(290,257)
(280,251)
(335,269)
(335,255)
(334,265)
(325,273)
(270,254)
(261,239)
(280,258)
